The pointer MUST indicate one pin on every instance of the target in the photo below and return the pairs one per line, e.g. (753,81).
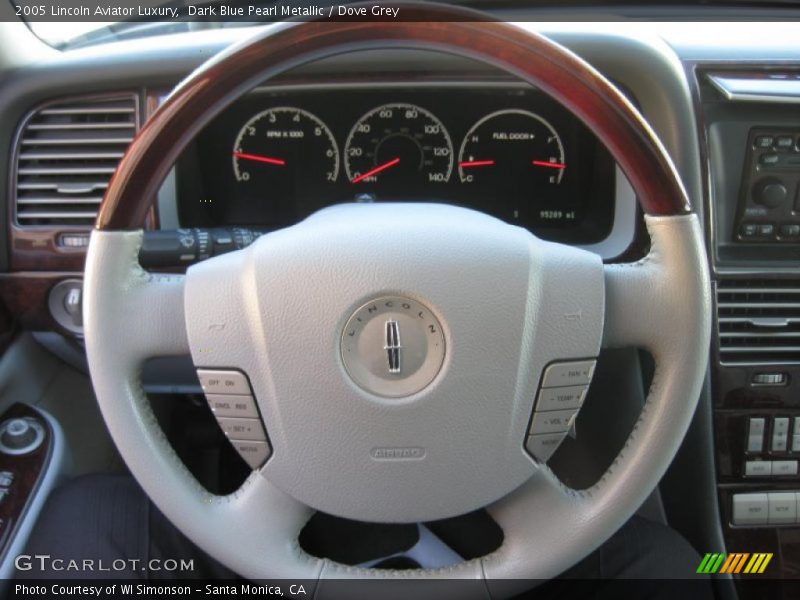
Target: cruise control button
(223,382)
(569,373)
(254,454)
(229,405)
(242,429)
(782,507)
(561,398)
(750,509)
(543,445)
(556,421)
(784,467)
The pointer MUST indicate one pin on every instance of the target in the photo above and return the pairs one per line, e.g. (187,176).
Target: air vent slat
(67,171)
(100,110)
(64,188)
(756,334)
(756,349)
(741,290)
(749,305)
(71,155)
(60,215)
(79,126)
(57,201)
(68,151)
(758,321)
(750,319)
(88,141)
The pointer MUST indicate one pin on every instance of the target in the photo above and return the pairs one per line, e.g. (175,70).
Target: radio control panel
(769,199)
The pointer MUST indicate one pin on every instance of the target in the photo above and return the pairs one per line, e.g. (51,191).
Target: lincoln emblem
(403,367)
(392,345)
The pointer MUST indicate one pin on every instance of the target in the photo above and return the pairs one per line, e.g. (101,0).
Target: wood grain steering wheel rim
(556,71)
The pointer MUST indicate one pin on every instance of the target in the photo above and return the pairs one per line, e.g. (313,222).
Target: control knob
(20,436)
(770,193)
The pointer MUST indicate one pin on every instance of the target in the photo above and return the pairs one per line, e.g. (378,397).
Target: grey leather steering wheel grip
(499,293)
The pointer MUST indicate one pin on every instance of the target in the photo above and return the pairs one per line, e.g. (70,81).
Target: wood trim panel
(27,470)
(531,57)
(36,249)
(25,296)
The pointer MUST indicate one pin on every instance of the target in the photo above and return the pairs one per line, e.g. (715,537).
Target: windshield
(57,35)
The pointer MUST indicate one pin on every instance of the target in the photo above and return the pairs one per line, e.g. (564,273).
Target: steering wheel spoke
(147,309)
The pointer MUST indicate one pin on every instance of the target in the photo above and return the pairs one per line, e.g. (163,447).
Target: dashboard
(280,154)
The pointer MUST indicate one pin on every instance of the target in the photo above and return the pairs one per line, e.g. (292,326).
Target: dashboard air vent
(759,321)
(66,154)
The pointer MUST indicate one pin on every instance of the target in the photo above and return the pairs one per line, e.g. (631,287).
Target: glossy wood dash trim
(273,51)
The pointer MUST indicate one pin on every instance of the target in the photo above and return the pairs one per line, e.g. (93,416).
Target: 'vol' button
(555,421)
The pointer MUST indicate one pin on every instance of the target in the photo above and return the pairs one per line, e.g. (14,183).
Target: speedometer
(278,146)
(398,146)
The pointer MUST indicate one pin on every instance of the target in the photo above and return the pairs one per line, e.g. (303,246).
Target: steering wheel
(396,351)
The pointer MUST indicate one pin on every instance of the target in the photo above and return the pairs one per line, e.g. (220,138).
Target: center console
(31,451)
(751,129)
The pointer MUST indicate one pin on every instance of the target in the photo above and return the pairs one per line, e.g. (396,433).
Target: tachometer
(512,145)
(281,146)
(399,146)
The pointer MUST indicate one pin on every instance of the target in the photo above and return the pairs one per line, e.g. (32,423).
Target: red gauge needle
(476,163)
(551,165)
(376,170)
(259,158)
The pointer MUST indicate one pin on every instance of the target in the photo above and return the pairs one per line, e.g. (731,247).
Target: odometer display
(398,149)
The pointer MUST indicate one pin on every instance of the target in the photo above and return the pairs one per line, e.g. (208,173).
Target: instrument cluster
(278,155)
